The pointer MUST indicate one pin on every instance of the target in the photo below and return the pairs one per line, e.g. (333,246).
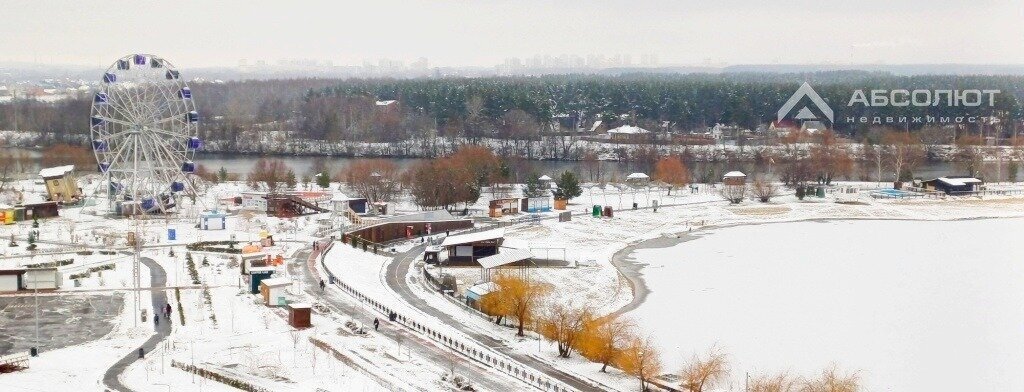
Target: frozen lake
(913,306)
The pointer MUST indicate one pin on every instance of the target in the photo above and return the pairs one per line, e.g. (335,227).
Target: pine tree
(323,180)
(533,187)
(568,186)
(290,180)
(222,174)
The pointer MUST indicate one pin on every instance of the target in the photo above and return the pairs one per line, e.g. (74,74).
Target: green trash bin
(596,212)
(821,191)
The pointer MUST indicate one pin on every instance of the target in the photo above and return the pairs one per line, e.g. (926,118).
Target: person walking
(156,320)
(322,285)
(376,323)
(167,310)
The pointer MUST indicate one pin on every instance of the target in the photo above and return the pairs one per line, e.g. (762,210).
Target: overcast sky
(460,33)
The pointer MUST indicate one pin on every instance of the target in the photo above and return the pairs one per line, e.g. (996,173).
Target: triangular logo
(805,90)
(805,114)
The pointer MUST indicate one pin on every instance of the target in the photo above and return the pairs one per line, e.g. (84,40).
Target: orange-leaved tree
(704,372)
(640,359)
(515,297)
(565,324)
(672,171)
(604,340)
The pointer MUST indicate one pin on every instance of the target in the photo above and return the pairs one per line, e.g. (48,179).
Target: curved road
(340,303)
(157,278)
(396,273)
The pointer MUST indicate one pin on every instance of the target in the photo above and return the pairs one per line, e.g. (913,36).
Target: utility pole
(35,283)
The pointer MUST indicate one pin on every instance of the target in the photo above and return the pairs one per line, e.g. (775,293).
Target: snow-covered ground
(594,241)
(234,335)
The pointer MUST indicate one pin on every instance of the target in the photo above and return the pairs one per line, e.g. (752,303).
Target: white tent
(734,174)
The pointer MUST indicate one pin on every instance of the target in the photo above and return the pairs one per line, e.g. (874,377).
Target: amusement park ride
(144,129)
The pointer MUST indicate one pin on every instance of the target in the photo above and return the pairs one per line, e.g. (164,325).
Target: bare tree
(833,380)
(904,153)
(268,175)
(763,189)
(374,179)
(781,382)
(734,194)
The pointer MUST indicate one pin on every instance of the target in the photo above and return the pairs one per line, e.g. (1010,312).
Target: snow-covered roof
(272,282)
(544,178)
(505,256)
(482,289)
(515,243)
(637,176)
(299,305)
(386,102)
(959,181)
(56,171)
(474,237)
(426,216)
(734,173)
(628,129)
(213,214)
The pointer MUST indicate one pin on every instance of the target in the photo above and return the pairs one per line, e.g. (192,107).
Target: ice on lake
(912,305)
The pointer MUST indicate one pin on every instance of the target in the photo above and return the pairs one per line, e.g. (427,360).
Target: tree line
(520,109)
(618,342)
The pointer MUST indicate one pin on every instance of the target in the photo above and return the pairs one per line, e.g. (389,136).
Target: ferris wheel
(144,129)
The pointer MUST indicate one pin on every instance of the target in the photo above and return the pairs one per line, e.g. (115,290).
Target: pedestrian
(156,320)
(376,323)
(322,285)
(167,309)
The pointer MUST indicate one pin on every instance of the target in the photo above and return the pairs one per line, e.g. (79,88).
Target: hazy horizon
(459,34)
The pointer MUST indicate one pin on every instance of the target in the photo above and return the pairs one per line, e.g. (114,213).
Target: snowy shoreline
(627,265)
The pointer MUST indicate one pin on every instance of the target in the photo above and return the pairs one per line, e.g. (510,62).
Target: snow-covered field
(232,334)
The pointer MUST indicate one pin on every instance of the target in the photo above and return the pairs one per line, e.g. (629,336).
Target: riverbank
(627,265)
(722,216)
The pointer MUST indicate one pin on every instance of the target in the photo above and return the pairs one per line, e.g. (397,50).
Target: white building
(628,132)
(275,291)
(213,220)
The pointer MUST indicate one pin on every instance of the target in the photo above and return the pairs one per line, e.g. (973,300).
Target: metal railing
(470,349)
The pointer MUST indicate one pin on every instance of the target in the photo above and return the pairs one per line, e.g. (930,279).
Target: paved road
(483,377)
(396,272)
(158,278)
